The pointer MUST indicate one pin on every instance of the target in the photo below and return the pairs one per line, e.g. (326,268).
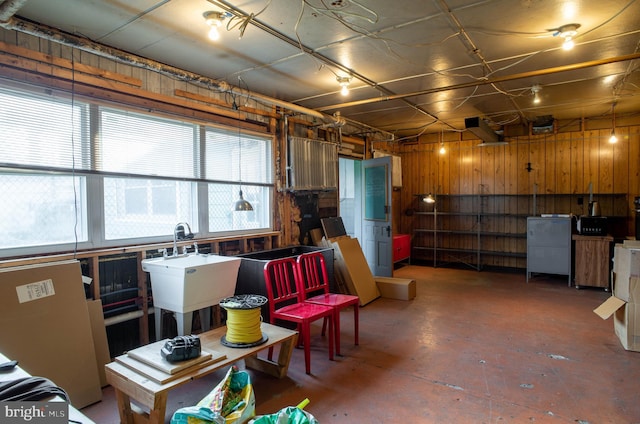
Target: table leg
(156,415)
(276,369)
(124,407)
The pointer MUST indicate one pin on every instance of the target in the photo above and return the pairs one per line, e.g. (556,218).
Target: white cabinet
(549,246)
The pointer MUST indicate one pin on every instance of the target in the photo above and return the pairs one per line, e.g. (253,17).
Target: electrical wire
(243,326)
(73,156)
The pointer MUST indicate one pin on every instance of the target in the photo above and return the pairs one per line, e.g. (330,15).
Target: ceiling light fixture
(568,32)
(613,139)
(344,83)
(535,90)
(214,20)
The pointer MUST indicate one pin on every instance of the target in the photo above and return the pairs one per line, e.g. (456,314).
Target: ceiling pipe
(84,44)
(8,8)
(530,74)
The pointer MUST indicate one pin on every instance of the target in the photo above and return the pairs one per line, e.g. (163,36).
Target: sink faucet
(182,231)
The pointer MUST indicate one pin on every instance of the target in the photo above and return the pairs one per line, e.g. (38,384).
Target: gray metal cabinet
(549,246)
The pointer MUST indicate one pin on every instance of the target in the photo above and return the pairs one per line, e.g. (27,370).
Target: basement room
(343,211)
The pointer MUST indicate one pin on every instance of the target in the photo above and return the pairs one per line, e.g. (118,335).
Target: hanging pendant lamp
(241,204)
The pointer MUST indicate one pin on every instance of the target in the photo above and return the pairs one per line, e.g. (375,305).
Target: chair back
(312,272)
(280,278)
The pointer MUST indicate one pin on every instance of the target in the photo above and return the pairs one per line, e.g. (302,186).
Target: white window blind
(132,143)
(233,156)
(42,131)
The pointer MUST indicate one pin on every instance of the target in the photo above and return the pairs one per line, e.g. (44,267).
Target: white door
(377,240)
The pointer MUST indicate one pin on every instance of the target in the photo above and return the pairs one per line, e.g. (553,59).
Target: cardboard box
(624,305)
(626,321)
(626,272)
(396,288)
(45,325)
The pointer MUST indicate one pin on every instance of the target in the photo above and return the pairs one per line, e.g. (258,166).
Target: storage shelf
(482,224)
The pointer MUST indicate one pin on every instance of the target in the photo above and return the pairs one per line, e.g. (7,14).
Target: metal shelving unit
(479,229)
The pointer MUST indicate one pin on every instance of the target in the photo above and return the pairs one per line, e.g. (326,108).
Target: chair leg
(356,323)
(332,330)
(324,326)
(306,336)
(336,329)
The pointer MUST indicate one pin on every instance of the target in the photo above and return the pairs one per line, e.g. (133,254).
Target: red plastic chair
(286,303)
(312,273)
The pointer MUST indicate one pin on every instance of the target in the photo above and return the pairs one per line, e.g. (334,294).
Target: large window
(75,174)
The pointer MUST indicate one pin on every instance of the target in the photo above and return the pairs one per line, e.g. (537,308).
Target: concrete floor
(472,347)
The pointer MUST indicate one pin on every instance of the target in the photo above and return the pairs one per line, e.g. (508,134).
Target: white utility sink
(190,282)
(187,283)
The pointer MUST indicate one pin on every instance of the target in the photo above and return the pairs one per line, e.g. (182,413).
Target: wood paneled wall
(559,167)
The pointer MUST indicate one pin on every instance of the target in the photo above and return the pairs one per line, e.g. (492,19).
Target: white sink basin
(191,282)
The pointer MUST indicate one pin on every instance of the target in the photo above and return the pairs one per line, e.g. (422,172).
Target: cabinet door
(549,245)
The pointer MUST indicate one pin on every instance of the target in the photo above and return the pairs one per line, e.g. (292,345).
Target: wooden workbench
(131,385)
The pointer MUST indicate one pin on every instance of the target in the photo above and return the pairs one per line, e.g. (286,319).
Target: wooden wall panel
(562,165)
(577,157)
(605,162)
(550,147)
(634,172)
(591,159)
(621,162)
(454,168)
(466,168)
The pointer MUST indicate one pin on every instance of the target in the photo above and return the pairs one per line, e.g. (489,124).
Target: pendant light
(613,139)
(241,204)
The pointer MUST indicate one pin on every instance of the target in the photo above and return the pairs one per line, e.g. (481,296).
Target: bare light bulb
(344,84)
(568,44)
(214,20)
(442,149)
(613,139)
(214,34)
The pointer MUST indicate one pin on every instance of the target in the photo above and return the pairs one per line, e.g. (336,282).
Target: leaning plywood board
(44,324)
(355,270)
(100,342)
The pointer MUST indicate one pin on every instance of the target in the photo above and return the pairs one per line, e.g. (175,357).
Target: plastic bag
(288,415)
(232,399)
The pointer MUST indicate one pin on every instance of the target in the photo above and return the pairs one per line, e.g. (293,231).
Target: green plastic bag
(232,401)
(288,415)
(196,414)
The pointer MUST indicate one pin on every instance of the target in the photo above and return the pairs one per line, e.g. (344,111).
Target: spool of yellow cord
(243,321)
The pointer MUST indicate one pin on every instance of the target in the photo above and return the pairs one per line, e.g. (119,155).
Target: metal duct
(311,165)
(481,130)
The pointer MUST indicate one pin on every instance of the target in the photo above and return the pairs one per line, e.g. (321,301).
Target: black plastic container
(251,271)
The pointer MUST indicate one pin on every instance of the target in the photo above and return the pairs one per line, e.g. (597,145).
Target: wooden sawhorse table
(129,384)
